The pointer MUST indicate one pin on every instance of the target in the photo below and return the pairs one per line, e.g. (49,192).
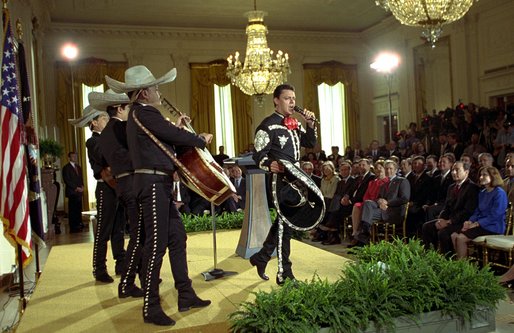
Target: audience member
(221,156)
(488,217)
(509,180)
(308,167)
(340,207)
(431,166)
(460,203)
(371,194)
(439,188)
(180,194)
(420,185)
(334,157)
(388,207)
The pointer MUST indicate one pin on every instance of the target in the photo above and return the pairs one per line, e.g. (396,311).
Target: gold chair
(387,230)
(346,227)
(498,250)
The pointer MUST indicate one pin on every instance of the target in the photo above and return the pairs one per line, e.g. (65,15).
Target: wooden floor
(9,300)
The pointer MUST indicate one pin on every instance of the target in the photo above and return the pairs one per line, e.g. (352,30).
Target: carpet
(67,298)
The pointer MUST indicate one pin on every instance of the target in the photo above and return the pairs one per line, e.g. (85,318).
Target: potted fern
(50,150)
(391,287)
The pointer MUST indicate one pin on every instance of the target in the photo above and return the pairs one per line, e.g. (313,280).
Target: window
(90,179)
(223,115)
(332,117)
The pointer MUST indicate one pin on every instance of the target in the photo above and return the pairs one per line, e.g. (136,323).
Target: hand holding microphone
(307,115)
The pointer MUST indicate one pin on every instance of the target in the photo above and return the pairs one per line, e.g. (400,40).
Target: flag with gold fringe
(14,208)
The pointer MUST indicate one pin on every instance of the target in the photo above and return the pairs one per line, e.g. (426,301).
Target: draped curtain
(331,73)
(91,72)
(203,79)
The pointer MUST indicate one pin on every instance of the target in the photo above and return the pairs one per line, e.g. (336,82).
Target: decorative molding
(123,31)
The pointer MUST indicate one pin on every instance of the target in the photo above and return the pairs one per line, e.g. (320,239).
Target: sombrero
(88,115)
(139,77)
(298,200)
(100,101)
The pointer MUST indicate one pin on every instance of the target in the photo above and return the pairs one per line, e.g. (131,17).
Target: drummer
(149,135)
(278,139)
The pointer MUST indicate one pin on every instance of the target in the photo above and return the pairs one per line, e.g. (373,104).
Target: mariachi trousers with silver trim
(110,222)
(127,198)
(163,229)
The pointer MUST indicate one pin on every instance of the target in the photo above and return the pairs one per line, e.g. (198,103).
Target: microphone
(300,111)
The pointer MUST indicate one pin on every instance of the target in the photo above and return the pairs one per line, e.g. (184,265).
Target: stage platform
(67,298)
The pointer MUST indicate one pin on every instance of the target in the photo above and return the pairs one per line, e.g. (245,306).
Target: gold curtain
(203,79)
(331,73)
(91,72)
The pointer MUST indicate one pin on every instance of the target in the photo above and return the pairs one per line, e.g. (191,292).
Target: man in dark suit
(308,167)
(392,150)
(454,146)
(461,201)
(390,205)
(73,189)
(363,180)
(340,206)
(439,188)
(221,156)
(420,186)
(334,157)
(180,194)
(238,200)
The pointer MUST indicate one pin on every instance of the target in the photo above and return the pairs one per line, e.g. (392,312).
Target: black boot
(333,238)
(185,304)
(129,291)
(261,266)
(158,317)
(104,277)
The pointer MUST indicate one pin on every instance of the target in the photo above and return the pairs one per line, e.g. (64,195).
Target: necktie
(238,181)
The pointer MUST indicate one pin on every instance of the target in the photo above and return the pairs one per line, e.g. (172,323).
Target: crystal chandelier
(261,73)
(429,14)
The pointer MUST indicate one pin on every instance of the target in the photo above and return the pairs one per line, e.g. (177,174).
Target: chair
(346,228)
(498,250)
(387,230)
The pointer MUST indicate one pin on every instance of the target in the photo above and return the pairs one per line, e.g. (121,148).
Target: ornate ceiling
(286,15)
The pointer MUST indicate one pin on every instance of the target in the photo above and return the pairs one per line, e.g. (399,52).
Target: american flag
(13,175)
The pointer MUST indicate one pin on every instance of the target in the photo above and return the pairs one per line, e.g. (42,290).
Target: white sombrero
(139,77)
(88,115)
(101,101)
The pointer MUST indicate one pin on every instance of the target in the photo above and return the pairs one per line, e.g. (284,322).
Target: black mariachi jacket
(273,141)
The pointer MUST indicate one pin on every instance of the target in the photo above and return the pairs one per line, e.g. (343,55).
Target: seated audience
(340,206)
(308,167)
(420,186)
(439,188)
(431,167)
(473,171)
(488,217)
(371,194)
(509,180)
(328,182)
(460,203)
(388,207)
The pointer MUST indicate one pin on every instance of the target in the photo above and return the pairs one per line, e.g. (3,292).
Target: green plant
(387,280)
(50,147)
(195,223)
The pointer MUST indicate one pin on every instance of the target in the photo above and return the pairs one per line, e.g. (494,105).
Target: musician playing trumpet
(149,137)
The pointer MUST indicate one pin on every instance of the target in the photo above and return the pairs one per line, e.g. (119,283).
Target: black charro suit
(458,207)
(273,141)
(114,148)
(110,218)
(72,180)
(397,194)
(163,226)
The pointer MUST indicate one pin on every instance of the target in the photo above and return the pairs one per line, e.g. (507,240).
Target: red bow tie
(291,123)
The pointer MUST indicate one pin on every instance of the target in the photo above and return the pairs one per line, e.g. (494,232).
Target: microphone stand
(216,272)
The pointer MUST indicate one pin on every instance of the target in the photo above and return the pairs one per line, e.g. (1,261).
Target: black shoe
(130,291)
(195,302)
(282,281)
(332,239)
(356,244)
(261,267)
(104,277)
(118,269)
(159,318)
